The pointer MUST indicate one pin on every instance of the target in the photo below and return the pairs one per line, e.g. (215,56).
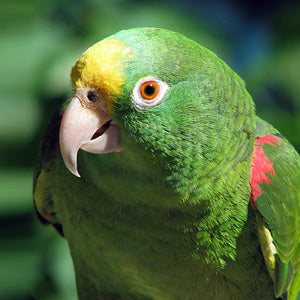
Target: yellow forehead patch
(101,66)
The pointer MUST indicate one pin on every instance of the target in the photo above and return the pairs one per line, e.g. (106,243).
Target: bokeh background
(39,42)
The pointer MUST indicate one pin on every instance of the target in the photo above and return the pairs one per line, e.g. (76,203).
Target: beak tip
(70,160)
(72,166)
(76,173)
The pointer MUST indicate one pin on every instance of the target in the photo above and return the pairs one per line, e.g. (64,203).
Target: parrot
(163,180)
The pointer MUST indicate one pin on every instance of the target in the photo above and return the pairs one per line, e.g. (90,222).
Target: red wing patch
(261,165)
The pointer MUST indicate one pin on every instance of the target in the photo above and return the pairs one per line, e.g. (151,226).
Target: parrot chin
(90,130)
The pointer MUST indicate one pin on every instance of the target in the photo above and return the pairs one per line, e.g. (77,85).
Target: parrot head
(154,91)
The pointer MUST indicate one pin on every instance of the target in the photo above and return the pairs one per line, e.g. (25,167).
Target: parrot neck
(185,187)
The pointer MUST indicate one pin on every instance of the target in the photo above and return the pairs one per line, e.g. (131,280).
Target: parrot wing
(275,186)
(43,175)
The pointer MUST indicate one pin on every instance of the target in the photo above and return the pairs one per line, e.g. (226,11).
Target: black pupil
(149,90)
(91,96)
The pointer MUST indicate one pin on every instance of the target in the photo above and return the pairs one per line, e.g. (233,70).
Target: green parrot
(163,180)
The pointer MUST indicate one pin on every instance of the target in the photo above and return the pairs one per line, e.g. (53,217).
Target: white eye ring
(156,86)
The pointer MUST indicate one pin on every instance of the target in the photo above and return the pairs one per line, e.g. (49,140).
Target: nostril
(92,96)
(101,130)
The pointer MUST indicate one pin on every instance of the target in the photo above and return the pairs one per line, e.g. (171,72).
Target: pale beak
(83,128)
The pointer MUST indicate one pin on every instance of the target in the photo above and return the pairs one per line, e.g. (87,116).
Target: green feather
(284,273)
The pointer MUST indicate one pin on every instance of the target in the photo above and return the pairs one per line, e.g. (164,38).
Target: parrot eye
(148,92)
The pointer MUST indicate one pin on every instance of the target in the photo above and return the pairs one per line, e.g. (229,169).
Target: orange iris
(149,90)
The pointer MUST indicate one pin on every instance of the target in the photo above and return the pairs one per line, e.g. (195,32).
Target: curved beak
(83,128)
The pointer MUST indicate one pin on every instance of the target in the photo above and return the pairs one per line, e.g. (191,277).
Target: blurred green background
(40,40)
